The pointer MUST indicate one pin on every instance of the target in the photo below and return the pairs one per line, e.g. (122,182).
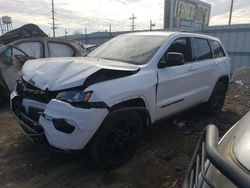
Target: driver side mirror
(172,59)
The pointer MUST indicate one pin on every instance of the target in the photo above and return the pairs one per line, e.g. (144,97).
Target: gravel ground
(161,161)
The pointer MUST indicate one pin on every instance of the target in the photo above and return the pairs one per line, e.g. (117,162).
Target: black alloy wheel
(117,140)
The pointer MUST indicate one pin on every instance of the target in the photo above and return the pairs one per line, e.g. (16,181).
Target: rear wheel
(117,140)
(217,98)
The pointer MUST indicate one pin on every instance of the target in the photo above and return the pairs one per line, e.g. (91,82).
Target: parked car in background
(105,100)
(15,54)
(224,163)
(23,32)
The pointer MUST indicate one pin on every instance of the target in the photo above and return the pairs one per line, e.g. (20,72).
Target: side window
(17,52)
(6,54)
(182,45)
(216,49)
(202,49)
(60,50)
(33,49)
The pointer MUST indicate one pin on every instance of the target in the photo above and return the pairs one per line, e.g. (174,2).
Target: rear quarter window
(216,49)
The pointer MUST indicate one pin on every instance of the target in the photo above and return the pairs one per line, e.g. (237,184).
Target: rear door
(205,68)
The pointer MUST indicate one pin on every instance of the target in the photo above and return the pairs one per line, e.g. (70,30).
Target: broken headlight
(74,96)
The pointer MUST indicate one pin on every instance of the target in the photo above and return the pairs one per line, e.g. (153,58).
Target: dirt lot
(161,161)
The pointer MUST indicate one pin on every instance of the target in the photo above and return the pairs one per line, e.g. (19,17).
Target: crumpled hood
(63,73)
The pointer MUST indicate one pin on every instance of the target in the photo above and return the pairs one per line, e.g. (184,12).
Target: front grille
(35,113)
(29,119)
(29,91)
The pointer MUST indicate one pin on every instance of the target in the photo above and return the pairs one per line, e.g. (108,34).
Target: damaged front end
(65,119)
(28,116)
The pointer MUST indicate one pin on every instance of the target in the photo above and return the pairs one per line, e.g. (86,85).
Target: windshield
(134,49)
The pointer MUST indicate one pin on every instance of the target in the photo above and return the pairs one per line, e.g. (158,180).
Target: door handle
(192,68)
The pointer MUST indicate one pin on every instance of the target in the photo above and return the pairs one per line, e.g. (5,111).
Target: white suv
(104,100)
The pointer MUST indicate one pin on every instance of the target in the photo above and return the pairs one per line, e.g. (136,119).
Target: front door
(180,87)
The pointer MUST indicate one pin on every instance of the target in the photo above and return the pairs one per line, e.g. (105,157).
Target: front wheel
(217,98)
(117,140)
(1,97)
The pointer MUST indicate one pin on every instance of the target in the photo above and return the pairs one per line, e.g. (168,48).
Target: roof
(171,33)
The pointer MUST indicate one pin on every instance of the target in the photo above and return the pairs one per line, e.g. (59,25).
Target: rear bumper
(85,123)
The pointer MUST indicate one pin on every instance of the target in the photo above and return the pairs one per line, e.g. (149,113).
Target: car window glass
(181,45)
(134,49)
(217,49)
(60,50)
(6,54)
(17,52)
(33,49)
(202,49)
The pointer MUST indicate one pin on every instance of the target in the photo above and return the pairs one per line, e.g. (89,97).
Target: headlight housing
(74,96)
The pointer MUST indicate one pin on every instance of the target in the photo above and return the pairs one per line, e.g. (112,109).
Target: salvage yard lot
(161,160)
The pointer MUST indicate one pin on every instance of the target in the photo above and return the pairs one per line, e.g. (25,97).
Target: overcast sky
(96,15)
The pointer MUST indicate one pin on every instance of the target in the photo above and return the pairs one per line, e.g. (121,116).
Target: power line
(133,22)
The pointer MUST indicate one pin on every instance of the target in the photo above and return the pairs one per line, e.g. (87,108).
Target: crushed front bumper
(48,123)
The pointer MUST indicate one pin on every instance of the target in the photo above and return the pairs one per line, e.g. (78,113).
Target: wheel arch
(136,104)
(224,79)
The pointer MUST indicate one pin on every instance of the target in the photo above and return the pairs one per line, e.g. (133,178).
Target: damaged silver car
(15,54)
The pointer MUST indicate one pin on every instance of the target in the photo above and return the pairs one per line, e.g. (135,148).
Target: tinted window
(6,54)
(33,49)
(216,49)
(183,46)
(60,50)
(202,49)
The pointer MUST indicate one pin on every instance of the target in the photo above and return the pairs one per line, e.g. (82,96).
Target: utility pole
(203,22)
(1,26)
(110,30)
(85,35)
(53,19)
(231,12)
(133,22)
(66,32)
(151,25)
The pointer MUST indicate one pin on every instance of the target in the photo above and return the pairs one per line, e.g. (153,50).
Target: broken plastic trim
(63,126)
(107,74)
(89,105)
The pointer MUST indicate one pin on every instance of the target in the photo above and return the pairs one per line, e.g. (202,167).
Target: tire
(117,140)
(1,98)
(217,99)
